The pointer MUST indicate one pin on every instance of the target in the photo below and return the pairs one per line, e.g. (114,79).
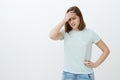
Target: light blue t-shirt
(77,49)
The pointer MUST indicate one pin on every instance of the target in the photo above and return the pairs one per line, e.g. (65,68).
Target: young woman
(78,42)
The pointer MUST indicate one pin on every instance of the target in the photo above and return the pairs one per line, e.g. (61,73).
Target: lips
(72,24)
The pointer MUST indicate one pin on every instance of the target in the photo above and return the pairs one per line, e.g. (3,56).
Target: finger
(88,60)
(88,65)
(71,12)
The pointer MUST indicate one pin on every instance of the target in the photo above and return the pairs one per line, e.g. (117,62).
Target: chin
(74,27)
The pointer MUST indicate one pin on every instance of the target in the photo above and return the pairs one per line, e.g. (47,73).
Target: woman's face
(74,21)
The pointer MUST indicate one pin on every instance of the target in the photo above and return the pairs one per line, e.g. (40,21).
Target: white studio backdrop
(27,53)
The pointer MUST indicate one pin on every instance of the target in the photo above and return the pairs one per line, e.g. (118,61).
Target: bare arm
(55,33)
(103,56)
(105,53)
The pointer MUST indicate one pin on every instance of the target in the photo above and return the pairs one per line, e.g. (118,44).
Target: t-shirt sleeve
(95,37)
(63,34)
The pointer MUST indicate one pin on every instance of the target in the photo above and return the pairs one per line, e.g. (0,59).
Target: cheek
(69,22)
(77,21)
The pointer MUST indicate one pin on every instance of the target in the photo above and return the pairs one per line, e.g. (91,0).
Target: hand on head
(68,15)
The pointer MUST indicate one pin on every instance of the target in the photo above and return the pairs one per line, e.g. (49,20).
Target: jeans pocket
(91,76)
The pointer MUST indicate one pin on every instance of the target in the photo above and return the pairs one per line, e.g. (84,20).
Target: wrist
(95,65)
(64,20)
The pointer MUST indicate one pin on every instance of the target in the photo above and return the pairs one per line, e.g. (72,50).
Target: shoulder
(90,31)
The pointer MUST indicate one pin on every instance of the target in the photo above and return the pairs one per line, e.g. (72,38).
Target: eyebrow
(73,17)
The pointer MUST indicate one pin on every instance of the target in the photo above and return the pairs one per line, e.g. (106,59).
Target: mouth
(72,24)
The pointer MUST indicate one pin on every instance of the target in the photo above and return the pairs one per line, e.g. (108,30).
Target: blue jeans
(72,76)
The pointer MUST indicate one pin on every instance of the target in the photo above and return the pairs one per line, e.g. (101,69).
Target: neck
(76,29)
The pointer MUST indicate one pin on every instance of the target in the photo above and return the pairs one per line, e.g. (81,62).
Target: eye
(69,19)
(74,18)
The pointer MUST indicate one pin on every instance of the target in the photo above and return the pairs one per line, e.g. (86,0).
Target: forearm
(102,58)
(57,28)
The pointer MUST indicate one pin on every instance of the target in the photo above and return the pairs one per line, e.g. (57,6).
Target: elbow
(107,51)
(51,37)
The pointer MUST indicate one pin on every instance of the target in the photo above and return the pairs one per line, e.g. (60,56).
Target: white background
(27,53)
